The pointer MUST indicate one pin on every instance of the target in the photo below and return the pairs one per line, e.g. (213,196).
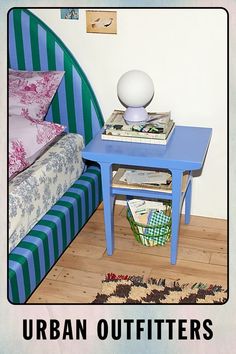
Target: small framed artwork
(101,22)
(71,13)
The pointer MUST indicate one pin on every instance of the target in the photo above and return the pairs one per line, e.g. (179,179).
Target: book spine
(134,139)
(136,134)
(159,136)
(138,129)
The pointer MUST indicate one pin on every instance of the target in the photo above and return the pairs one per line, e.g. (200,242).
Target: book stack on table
(157,130)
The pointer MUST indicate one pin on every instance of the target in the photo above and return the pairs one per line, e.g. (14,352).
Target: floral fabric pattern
(33,191)
(28,139)
(31,92)
(17,160)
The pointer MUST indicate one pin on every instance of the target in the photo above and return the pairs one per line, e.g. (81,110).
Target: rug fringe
(112,276)
(162,282)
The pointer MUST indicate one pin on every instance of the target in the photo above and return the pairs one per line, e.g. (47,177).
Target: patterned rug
(133,289)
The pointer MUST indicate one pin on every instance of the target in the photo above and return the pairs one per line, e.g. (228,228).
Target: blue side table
(185,151)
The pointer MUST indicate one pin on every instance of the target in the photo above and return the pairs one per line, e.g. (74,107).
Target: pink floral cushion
(31,92)
(28,138)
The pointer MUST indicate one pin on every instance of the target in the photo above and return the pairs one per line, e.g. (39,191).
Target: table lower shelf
(147,191)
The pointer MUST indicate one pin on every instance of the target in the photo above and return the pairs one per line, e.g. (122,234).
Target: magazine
(120,181)
(157,122)
(138,139)
(147,131)
(140,209)
(145,177)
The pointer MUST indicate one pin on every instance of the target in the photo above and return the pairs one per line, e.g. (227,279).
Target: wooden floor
(77,276)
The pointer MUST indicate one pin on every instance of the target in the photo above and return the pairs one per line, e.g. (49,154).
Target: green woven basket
(155,235)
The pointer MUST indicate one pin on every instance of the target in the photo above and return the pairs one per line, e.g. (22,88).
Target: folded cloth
(160,233)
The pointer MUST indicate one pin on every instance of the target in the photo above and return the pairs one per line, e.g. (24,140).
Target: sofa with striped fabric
(33,46)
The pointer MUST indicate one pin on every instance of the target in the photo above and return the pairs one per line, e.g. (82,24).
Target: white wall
(185,53)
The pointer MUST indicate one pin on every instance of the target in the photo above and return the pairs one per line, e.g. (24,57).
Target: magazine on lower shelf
(121,179)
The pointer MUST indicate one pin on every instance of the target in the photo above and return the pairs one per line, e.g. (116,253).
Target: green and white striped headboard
(34,46)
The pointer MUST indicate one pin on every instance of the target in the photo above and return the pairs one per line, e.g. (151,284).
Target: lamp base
(135,115)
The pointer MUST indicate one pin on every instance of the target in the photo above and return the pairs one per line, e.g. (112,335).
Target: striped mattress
(30,261)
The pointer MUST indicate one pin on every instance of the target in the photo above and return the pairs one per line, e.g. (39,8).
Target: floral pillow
(28,138)
(31,92)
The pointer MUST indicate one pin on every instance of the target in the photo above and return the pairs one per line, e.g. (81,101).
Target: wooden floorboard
(77,276)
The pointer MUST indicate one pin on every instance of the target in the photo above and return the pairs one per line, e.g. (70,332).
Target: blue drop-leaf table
(185,151)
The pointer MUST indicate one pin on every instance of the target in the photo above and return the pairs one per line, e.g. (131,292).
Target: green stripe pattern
(72,103)
(19,40)
(34,46)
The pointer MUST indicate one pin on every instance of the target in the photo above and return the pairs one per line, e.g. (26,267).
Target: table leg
(108,204)
(176,205)
(188,197)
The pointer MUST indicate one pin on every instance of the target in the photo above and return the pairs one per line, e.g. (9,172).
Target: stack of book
(157,130)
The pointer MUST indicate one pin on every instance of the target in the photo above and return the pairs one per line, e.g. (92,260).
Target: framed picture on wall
(101,22)
(71,13)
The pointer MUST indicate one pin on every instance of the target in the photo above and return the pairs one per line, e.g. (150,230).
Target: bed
(33,46)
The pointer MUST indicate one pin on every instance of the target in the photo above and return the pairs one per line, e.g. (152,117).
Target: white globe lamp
(135,90)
